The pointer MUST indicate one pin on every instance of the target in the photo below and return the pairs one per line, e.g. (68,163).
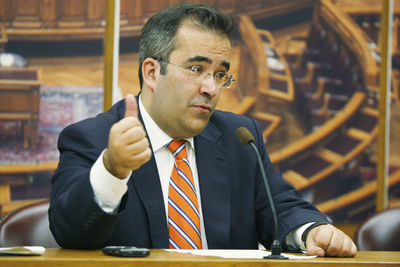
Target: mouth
(206,109)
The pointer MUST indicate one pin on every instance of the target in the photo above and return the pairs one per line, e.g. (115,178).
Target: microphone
(245,136)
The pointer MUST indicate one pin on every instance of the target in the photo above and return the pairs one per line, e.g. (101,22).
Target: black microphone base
(278,257)
(276,251)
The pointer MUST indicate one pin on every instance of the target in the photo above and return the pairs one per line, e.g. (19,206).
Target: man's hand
(128,146)
(326,240)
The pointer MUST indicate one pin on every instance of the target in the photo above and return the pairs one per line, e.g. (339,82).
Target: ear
(150,72)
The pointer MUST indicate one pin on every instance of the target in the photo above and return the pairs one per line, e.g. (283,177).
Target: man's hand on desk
(326,240)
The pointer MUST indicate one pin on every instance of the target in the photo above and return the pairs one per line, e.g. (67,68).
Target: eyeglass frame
(229,78)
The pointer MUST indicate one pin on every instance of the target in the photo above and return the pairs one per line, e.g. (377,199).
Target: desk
(161,258)
(19,100)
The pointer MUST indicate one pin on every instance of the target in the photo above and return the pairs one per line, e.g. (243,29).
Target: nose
(208,85)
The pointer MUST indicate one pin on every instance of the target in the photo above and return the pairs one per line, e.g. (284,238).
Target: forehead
(193,41)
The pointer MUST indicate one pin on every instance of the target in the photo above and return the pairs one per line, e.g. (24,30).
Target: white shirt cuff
(293,238)
(108,189)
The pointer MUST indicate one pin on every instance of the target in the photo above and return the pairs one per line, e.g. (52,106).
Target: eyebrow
(225,64)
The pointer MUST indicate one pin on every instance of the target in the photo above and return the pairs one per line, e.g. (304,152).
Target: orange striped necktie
(183,206)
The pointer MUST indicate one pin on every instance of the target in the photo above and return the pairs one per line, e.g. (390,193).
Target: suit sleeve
(76,220)
(292,211)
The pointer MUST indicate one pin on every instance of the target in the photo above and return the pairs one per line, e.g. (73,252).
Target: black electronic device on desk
(126,251)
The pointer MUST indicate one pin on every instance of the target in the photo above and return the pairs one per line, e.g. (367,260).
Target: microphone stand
(276,244)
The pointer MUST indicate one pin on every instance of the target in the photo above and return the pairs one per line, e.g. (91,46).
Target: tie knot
(178,148)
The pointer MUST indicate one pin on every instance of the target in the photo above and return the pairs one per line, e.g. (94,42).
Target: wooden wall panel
(25,13)
(131,12)
(95,12)
(249,5)
(49,13)
(84,19)
(72,13)
(225,4)
(150,7)
(72,9)
(26,9)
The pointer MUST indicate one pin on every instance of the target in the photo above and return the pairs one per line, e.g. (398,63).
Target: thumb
(131,109)
(314,249)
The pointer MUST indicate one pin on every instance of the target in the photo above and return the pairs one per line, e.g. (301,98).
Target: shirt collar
(157,137)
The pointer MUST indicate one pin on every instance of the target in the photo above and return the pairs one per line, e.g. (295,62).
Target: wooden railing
(253,71)
(280,80)
(364,6)
(256,73)
(325,130)
(352,36)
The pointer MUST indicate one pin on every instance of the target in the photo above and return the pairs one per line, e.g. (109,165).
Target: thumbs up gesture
(131,109)
(128,146)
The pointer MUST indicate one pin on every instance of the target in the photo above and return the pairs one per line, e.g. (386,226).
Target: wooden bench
(3,37)
(344,147)
(245,106)
(268,122)
(359,194)
(259,70)
(281,86)
(313,138)
(19,100)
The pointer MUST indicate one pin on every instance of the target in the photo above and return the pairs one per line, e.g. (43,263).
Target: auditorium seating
(268,78)
(334,87)
(367,17)
(335,80)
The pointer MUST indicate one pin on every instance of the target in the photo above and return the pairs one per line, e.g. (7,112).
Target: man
(119,181)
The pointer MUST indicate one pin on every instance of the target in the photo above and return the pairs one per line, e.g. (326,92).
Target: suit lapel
(147,183)
(212,161)
(214,179)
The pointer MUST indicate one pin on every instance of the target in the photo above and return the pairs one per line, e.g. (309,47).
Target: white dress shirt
(109,190)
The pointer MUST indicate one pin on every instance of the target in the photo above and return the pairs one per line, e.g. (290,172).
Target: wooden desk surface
(76,258)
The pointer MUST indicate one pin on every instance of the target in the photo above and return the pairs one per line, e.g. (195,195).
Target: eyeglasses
(221,79)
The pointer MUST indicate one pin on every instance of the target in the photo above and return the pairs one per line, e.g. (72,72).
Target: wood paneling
(25,14)
(84,19)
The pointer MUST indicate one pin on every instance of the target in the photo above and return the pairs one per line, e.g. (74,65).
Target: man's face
(183,101)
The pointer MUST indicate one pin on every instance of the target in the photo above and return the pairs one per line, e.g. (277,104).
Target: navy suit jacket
(235,207)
